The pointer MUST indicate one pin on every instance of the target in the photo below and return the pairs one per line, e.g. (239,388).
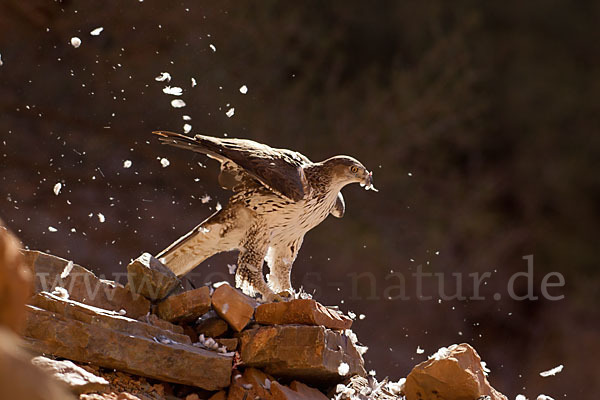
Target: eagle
(279,195)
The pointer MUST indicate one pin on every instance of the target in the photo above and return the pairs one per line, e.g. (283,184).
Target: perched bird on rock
(279,195)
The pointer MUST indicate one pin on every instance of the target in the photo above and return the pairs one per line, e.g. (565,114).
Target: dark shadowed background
(479,119)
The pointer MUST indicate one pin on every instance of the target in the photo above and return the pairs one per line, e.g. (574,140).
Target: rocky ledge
(151,339)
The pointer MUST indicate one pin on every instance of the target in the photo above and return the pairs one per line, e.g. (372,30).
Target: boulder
(151,278)
(82,285)
(76,378)
(186,306)
(301,311)
(312,354)
(233,306)
(126,349)
(451,373)
(19,379)
(15,281)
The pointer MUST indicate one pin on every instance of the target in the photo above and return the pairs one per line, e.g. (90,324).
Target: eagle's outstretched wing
(279,170)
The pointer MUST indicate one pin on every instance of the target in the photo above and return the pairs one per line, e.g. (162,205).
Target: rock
(255,384)
(82,285)
(21,380)
(312,354)
(296,391)
(452,373)
(15,281)
(233,306)
(76,378)
(186,306)
(301,311)
(190,332)
(230,344)
(153,319)
(210,325)
(151,278)
(126,349)
(104,318)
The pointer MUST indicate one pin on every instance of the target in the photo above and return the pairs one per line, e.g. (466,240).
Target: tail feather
(220,232)
(199,144)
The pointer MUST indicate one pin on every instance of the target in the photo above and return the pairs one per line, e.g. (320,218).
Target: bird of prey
(279,195)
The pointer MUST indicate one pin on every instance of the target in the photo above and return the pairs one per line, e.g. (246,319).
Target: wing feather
(279,170)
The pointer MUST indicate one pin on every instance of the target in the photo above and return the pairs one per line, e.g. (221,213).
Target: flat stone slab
(311,354)
(301,311)
(126,350)
(76,378)
(82,285)
(151,278)
(104,318)
(233,306)
(185,307)
(153,319)
(452,373)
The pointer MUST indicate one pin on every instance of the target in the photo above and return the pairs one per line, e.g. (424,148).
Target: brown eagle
(279,195)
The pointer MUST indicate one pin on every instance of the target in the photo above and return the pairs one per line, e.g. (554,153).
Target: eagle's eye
(354,169)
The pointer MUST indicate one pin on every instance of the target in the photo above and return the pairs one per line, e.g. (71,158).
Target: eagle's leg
(249,274)
(280,259)
(220,232)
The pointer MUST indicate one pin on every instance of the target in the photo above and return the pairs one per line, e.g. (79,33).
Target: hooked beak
(368,182)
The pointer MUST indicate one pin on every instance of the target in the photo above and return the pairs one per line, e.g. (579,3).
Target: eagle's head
(345,170)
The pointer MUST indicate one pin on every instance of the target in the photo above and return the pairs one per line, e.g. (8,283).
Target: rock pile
(152,340)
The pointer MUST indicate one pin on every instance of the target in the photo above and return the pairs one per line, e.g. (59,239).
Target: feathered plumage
(279,195)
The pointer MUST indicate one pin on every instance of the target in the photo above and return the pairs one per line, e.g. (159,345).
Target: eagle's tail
(220,232)
(199,143)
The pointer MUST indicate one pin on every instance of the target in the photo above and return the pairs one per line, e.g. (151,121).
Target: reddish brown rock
(186,306)
(153,319)
(76,378)
(255,384)
(104,318)
(233,306)
(21,380)
(151,278)
(15,281)
(452,373)
(158,357)
(296,391)
(230,344)
(210,325)
(82,285)
(190,332)
(312,354)
(301,311)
